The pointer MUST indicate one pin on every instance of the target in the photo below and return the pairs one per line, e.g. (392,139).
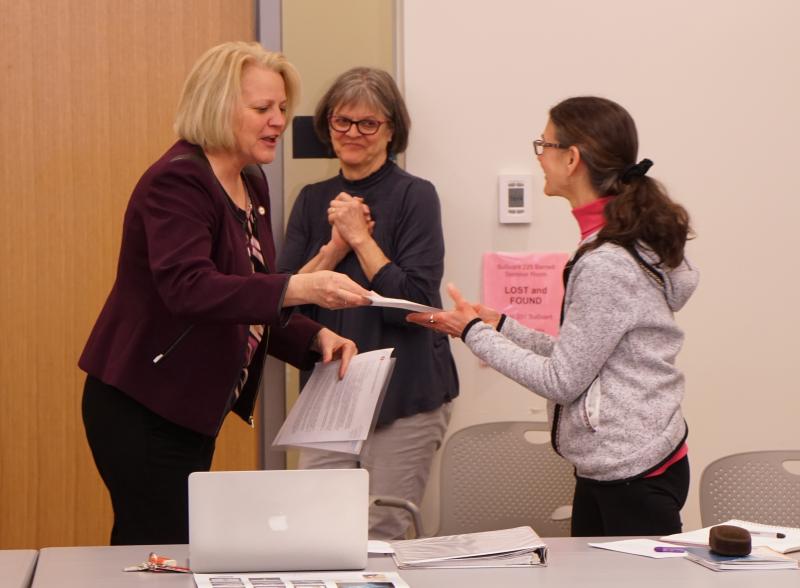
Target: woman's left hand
(347,213)
(332,346)
(450,322)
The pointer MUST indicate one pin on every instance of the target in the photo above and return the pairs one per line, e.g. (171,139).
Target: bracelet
(500,322)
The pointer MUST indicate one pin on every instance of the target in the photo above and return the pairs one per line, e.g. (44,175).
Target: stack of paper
(780,539)
(518,547)
(760,559)
(338,415)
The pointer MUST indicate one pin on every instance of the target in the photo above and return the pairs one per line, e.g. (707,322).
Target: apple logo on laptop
(279,522)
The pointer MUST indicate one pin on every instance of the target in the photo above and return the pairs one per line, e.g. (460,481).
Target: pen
(665,549)
(770,534)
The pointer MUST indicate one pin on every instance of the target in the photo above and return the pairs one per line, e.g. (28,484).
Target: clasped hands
(351,222)
(452,322)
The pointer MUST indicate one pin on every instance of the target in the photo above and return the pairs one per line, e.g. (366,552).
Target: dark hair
(606,137)
(371,86)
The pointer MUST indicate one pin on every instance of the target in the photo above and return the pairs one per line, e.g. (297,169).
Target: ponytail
(642,211)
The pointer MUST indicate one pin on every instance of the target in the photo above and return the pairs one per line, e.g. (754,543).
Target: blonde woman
(197,302)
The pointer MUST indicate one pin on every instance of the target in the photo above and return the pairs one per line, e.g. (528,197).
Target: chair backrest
(493,477)
(753,486)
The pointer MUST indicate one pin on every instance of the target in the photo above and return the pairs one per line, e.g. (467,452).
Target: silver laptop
(276,520)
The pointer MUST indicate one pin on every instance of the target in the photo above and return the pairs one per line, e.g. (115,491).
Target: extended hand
(487,315)
(452,322)
(325,288)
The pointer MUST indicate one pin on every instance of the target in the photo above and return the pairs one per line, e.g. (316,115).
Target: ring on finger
(430,319)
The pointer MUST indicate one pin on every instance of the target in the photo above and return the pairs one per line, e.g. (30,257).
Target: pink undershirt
(591,219)
(590,216)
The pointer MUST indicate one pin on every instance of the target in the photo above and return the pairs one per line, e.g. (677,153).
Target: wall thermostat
(515,199)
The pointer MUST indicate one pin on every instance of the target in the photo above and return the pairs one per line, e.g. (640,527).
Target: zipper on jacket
(554,429)
(174,344)
(565,279)
(251,420)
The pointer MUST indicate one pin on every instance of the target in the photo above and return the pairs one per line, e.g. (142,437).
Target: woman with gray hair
(197,303)
(382,227)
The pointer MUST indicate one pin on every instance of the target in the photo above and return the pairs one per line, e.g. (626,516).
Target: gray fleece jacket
(612,367)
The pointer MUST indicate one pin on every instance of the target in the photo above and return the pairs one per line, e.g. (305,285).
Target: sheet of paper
(645,547)
(377,546)
(301,580)
(378,300)
(338,414)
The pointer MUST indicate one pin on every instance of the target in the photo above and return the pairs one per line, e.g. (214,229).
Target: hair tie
(635,170)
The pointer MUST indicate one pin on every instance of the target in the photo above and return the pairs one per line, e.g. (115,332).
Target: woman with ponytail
(613,389)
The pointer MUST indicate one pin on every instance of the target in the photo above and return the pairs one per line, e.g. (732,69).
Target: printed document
(301,580)
(338,415)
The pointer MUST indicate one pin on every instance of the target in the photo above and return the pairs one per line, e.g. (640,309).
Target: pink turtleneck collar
(590,216)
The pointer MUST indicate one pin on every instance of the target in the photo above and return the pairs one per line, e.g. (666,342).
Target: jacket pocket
(163,355)
(591,405)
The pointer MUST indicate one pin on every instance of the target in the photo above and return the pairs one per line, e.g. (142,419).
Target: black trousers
(644,506)
(145,462)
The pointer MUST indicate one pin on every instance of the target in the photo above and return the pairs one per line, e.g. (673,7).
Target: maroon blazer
(185,291)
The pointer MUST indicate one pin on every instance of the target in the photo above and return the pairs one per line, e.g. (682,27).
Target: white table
(572,564)
(16,567)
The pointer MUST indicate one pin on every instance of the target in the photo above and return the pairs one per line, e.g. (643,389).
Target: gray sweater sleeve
(537,341)
(598,314)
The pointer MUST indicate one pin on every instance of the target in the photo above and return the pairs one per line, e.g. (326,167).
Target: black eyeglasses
(342,124)
(540,144)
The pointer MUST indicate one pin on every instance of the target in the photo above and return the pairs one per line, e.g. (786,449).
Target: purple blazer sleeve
(180,221)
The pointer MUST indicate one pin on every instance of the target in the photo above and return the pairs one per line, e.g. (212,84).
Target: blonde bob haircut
(213,89)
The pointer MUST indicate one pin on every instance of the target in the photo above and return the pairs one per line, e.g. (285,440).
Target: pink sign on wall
(526,287)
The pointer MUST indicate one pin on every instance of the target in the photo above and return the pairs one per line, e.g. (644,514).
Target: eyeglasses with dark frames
(540,144)
(367,126)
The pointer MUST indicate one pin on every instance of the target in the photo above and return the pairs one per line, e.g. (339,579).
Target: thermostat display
(515,199)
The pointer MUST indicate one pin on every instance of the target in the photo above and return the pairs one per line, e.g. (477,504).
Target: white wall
(713,86)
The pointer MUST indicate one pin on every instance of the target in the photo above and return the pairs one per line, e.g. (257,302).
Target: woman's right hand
(487,315)
(325,288)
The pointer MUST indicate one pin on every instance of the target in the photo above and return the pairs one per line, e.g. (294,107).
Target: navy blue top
(408,229)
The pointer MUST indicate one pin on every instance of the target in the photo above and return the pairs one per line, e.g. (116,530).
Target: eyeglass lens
(367,126)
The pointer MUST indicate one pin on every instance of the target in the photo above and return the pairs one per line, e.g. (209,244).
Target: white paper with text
(335,414)
(301,580)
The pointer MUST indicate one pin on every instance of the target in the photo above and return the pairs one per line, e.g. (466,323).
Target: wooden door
(89,93)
